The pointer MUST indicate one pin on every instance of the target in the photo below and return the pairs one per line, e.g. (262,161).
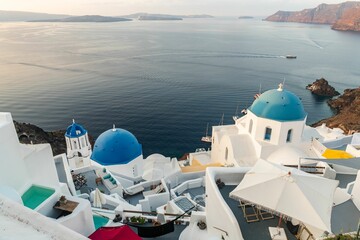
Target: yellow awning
(336,154)
(196,166)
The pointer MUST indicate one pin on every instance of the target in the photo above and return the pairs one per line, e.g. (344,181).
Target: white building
(120,152)
(78,146)
(28,176)
(275,119)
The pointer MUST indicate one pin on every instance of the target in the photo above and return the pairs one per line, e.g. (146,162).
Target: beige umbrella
(288,192)
(99,199)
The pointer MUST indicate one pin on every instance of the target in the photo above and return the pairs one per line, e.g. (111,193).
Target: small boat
(290,56)
(236,116)
(221,120)
(207,138)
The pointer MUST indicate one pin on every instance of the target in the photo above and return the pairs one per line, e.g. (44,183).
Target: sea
(164,81)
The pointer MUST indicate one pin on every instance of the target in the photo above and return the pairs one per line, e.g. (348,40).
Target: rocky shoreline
(347,108)
(29,133)
(322,88)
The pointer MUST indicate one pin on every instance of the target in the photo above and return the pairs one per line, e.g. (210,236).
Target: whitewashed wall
(13,172)
(40,165)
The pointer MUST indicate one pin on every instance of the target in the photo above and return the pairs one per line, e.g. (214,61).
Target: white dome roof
(155,156)
(287,155)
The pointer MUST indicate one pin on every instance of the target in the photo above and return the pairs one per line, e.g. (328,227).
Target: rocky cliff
(29,133)
(350,21)
(347,107)
(321,87)
(343,16)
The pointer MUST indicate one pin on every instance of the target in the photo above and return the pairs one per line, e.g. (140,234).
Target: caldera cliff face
(347,107)
(344,16)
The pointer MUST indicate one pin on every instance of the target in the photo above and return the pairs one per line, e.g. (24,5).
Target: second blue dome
(116,146)
(279,105)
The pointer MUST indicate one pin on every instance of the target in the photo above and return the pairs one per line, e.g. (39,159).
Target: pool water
(35,195)
(99,221)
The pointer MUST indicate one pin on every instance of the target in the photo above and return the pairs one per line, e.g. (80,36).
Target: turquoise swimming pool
(99,221)
(35,195)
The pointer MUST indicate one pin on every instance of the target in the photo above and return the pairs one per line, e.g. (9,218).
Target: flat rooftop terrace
(345,179)
(254,230)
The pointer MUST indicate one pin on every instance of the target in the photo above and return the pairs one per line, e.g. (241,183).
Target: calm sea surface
(161,80)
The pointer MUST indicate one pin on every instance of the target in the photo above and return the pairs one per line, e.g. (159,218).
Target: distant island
(343,16)
(86,18)
(152,16)
(10,16)
(246,17)
(19,16)
(148,17)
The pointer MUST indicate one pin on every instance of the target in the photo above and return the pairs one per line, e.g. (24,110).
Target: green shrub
(341,237)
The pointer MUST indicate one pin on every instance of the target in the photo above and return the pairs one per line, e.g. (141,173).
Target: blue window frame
(267,134)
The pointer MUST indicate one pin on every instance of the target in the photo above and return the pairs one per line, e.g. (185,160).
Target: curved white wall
(218,213)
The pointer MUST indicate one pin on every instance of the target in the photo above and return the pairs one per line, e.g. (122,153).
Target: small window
(289,136)
(250,126)
(267,134)
(82,140)
(226,153)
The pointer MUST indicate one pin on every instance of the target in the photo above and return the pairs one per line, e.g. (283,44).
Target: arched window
(250,126)
(267,134)
(68,144)
(226,153)
(289,136)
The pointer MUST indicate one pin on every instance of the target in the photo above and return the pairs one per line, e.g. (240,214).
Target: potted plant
(202,225)
(63,199)
(138,220)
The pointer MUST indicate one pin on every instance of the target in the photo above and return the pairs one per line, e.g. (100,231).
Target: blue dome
(116,146)
(75,130)
(280,105)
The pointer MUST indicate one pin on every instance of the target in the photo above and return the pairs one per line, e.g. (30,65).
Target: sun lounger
(250,212)
(133,190)
(107,179)
(156,190)
(264,215)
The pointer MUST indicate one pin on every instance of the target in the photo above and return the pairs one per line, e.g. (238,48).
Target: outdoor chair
(219,183)
(79,181)
(250,212)
(98,180)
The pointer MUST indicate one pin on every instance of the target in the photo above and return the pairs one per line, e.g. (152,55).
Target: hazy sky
(120,7)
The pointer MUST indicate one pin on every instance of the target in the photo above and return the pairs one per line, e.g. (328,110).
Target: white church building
(273,129)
